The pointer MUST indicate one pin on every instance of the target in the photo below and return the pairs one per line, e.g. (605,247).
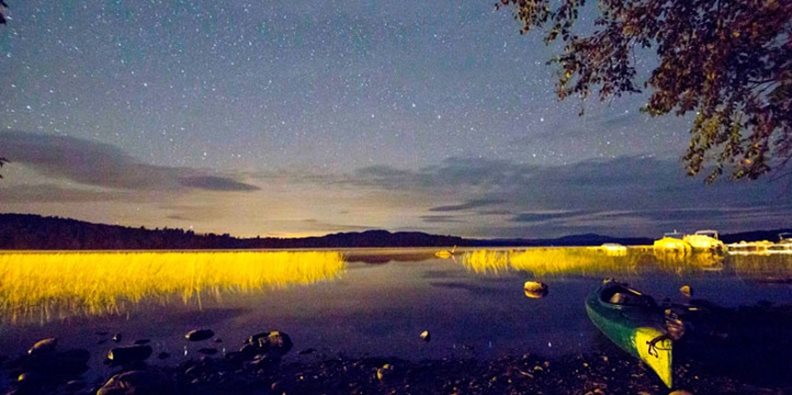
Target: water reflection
(588,261)
(766,268)
(40,287)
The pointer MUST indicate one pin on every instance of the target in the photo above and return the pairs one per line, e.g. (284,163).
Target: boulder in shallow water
(197,335)
(129,354)
(43,347)
(535,289)
(137,382)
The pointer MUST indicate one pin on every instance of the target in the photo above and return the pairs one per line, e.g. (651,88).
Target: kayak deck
(635,324)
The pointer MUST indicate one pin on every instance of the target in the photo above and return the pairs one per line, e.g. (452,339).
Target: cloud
(475,203)
(545,216)
(49,193)
(96,164)
(632,195)
(215,183)
(441,219)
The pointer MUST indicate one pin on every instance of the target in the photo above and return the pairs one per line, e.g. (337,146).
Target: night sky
(291,118)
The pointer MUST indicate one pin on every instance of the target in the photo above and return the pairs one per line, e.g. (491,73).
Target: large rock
(535,289)
(137,382)
(272,342)
(129,354)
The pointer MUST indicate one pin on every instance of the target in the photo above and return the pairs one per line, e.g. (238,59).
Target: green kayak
(635,323)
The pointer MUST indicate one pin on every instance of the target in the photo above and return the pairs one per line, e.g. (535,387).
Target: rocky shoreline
(258,368)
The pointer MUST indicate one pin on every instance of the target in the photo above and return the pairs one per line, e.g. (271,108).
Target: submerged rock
(535,289)
(129,354)
(197,335)
(307,351)
(70,363)
(137,382)
(208,351)
(74,385)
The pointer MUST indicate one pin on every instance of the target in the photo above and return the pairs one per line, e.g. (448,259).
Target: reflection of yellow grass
(763,267)
(589,261)
(43,285)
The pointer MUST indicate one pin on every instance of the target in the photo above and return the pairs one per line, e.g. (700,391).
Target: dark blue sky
(291,118)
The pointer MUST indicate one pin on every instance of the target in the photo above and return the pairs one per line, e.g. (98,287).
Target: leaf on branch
(730,62)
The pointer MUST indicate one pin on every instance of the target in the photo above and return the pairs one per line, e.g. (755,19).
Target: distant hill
(35,232)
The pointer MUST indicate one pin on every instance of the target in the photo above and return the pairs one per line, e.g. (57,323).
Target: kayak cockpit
(621,295)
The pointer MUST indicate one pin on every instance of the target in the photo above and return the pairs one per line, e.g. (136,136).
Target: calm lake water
(353,302)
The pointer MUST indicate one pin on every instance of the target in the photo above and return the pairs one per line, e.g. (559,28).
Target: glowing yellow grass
(43,286)
(588,261)
(546,261)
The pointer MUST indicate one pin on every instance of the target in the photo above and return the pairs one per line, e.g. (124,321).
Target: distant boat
(704,240)
(784,245)
(785,240)
(635,323)
(761,247)
(672,242)
(613,249)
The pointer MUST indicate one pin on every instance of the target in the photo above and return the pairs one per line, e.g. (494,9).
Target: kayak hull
(635,329)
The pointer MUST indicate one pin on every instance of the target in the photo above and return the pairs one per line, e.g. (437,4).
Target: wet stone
(129,354)
(43,347)
(307,351)
(29,377)
(535,289)
(196,335)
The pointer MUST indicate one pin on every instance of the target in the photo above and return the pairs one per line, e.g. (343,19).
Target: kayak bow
(635,323)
